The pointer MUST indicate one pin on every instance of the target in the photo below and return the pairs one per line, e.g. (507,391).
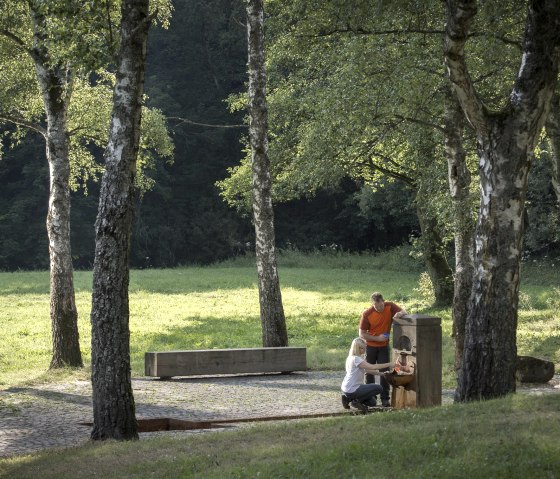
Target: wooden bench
(225,361)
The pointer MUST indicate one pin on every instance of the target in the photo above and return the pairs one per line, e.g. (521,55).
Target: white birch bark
(506,141)
(271,310)
(113,400)
(55,85)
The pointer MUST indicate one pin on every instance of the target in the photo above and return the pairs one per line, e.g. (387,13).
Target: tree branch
(144,24)
(387,171)
(190,122)
(504,40)
(92,134)
(420,122)
(362,31)
(25,123)
(369,151)
(407,31)
(460,15)
(18,41)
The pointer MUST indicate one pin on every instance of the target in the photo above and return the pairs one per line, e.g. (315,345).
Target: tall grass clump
(399,258)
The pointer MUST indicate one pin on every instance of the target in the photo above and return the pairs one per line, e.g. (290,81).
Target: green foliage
(23,239)
(339,99)
(355,90)
(78,37)
(89,116)
(542,237)
(81,34)
(425,289)
(85,35)
(347,97)
(19,93)
(181,218)
(82,45)
(351,97)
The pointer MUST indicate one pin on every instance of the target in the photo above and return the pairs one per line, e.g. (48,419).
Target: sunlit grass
(217,307)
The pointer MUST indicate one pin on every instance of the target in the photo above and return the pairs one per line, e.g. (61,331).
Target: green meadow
(217,307)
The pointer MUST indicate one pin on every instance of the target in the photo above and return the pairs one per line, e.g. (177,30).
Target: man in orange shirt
(375,327)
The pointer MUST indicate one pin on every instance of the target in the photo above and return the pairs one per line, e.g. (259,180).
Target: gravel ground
(52,415)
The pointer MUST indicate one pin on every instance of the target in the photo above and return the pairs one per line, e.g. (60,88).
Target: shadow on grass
(540,348)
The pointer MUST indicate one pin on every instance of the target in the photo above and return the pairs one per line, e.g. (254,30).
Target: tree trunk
(553,131)
(272,312)
(459,178)
(490,336)
(55,86)
(113,401)
(506,141)
(433,251)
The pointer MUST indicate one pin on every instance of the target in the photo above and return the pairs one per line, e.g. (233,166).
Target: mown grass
(217,307)
(513,437)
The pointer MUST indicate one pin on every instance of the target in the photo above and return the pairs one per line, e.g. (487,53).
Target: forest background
(192,69)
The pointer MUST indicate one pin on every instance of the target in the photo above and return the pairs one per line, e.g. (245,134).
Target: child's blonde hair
(357,348)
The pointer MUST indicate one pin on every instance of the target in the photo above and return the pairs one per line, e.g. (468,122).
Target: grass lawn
(513,437)
(217,307)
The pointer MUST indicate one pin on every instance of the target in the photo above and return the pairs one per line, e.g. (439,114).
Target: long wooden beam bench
(167,364)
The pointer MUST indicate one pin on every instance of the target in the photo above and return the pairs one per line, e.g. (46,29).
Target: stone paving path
(46,416)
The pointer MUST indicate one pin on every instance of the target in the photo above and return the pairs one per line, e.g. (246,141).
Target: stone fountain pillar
(417,342)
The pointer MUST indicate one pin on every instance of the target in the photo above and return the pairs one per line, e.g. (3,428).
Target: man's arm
(397,312)
(370,337)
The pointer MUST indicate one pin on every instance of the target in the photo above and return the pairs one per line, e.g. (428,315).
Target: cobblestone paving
(52,415)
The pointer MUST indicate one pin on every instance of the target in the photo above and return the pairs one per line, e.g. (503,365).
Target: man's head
(377,301)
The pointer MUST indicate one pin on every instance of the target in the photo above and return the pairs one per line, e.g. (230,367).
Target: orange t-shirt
(376,323)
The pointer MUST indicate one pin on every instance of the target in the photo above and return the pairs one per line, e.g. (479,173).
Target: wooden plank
(225,361)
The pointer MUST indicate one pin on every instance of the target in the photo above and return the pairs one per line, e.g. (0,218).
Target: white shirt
(354,375)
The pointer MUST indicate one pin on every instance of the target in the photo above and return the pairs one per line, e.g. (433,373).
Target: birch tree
(347,100)
(113,400)
(271,310)
(55,84)
(35,36)
(506,140)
